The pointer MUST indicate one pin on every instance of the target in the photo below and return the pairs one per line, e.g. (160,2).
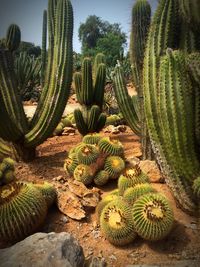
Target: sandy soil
(180,248)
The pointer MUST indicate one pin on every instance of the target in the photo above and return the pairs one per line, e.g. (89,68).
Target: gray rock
(44,250)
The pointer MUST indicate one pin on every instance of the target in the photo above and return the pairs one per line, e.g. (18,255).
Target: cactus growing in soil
(90,95)
(88,163)
(116,222)
(153,217)
(22,211)
(26,137)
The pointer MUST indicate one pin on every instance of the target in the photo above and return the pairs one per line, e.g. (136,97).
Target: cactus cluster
(66,121)
(135,208)
(23,209)
(96,159)
(89,86)
(7,171)
(14,126)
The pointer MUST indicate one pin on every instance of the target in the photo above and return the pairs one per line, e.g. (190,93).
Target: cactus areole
(14,125)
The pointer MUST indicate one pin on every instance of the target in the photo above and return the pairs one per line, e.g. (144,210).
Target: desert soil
(182,246)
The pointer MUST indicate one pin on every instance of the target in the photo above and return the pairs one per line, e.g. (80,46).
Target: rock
(70,205)
(41,249)
(151,169)
(68,131)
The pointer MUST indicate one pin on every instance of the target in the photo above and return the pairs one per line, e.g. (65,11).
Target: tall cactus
(13,37)
(190,11)
(44,47)
(141,16)
(56,93)
(90,93)
(169,106)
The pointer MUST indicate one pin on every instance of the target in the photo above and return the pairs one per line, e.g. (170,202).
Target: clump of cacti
(7,171)
(66,121)
(151,213)
(96,159)
(14,126)
(90,93)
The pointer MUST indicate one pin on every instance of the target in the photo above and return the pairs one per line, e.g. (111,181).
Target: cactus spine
(56,88)
(90,93)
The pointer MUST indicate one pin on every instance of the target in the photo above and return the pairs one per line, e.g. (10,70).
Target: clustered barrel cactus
(14,125)
(89,86)
(135,208)
(96,159)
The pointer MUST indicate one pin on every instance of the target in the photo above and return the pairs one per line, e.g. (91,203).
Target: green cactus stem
(13,37)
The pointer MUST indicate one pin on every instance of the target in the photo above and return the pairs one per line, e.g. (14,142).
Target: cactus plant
(22,211)
(111,146)
(190,11)
(169,109)
(13,37)
(57,87)
(153,217)
(83,173)
(48,192)
(117,224)
(90,94)
(101,178)
(114,165)
(44,45)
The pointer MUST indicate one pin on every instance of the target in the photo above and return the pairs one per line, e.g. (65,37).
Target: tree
(98,36)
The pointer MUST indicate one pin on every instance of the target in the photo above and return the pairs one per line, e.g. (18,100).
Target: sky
(28,15)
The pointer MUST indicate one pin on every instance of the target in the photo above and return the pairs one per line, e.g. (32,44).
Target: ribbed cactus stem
(125,102)
(78,86)
(60,83)
(99,85)
(13,37)
(51,21)
(44,47)
(167,95)
(189,10)
(87,87)
(141,16)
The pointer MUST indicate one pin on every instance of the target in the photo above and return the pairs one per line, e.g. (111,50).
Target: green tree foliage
(98,36)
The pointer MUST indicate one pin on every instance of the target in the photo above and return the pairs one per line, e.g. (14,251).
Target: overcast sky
(28,15)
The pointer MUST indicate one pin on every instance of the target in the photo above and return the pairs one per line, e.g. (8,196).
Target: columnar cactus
(141,16)
(90,93)
(44,46)
(169,106)
(190,11)
(56,88)
(13,37)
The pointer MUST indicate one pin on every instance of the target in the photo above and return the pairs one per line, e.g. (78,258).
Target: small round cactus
(87,154)
(111,146)
(70,164)
(83,173)
(114,165)
(117,223)
(107,199)
(101,178)
(133,193)
(92,138)
(48,191)
(153,216)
